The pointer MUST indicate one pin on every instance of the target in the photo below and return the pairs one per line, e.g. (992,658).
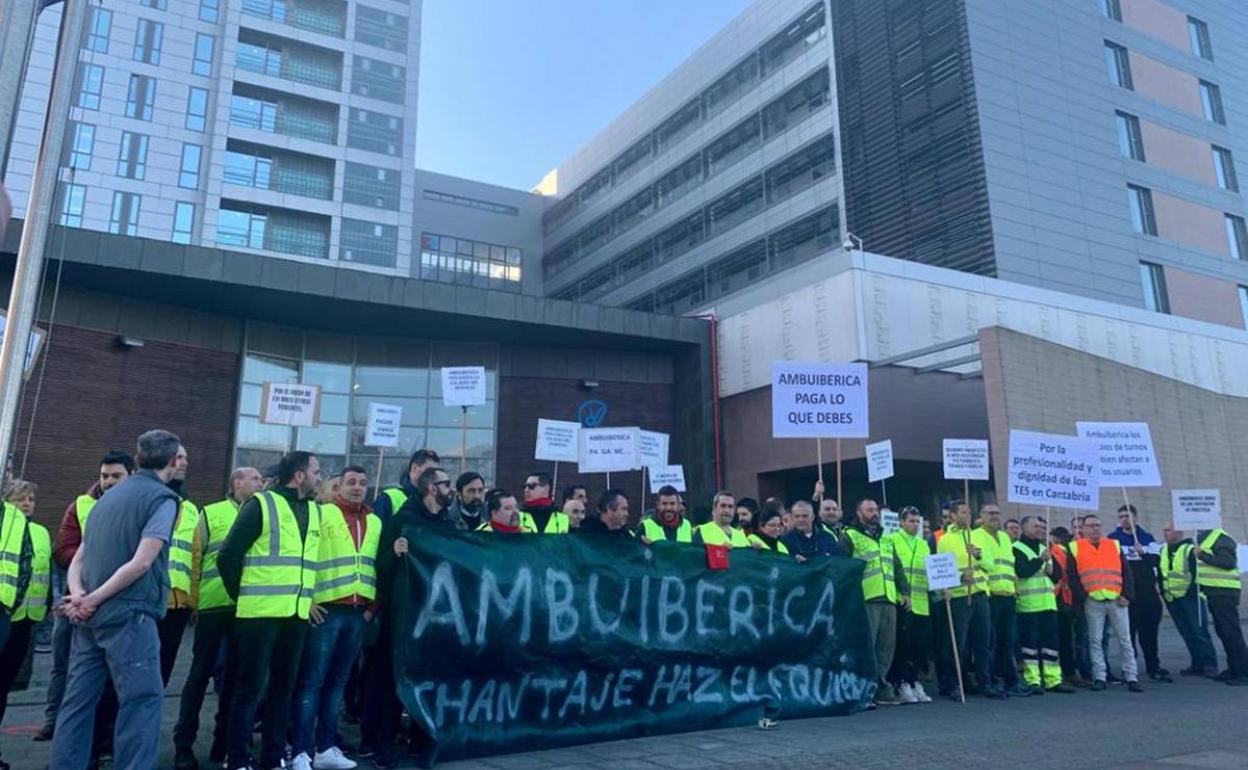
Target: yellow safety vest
(1035,594)
(397,498)
(279,569)
(180,556)
(878,580)
(343,570)
(217,520)
(35,605)
(1209,576)
(12,535)
(713,534)
(954,541)
(558,524)
(780,548)
(914,552)
(998,558)
(82,510)
(1176,578)
(652,529)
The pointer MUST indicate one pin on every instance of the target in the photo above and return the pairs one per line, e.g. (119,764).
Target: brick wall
(98,396)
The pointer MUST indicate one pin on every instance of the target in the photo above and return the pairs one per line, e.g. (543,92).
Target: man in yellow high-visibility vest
(1217,574)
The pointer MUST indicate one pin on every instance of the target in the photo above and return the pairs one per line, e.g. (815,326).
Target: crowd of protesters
(285,583)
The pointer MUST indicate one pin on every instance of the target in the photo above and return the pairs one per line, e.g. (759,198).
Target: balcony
(262,109)
(328,17)
(288,60)
(266,168)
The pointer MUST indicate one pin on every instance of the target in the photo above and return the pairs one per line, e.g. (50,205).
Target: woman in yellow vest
(19,503)
(769,526)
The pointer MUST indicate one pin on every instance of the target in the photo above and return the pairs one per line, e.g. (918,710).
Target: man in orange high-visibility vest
(1102,579)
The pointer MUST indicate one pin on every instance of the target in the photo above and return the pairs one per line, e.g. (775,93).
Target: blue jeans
(329,651)
(1186,614)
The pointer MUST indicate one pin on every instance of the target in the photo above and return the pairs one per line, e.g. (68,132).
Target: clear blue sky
(509,88)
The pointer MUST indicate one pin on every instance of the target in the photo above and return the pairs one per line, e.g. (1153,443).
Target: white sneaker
(921,694)
(906,692)
(301,762)
(332,759)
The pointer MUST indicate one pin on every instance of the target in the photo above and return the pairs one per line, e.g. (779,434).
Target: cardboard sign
(652,448)
(1052,470)
(1125,455)
(880,460)
(557,441)
(608,450)
(285,403)
(942,571)
(463,385)
(1196,509)
(811,400)
(890,522)
(666,475)
(383,425)
(966,458)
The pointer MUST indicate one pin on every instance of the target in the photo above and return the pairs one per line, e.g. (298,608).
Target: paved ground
(1189,724)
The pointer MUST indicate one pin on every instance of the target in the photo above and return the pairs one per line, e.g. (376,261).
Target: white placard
(1196,509)
(1125,455)
(966,458)
(813,400)
(383,425)
(880,460)
(1241,557)
(557,441)
(942,571)
(34,343)
(1053,470)
(463,385)
(608,450)
(890,522)
(666,475)
(652,448)
(287,403)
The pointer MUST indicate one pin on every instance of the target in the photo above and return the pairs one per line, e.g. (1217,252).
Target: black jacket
(407,522)
(1025,567)
(818,543)
(594,526)
(245,531)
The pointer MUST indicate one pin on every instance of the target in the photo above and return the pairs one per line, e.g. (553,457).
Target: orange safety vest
(1061,588)
(937,535)
(1100,568)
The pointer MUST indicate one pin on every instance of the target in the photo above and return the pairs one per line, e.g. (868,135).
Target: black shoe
(1063,688)
(995,693)
(1225,675)
(1239,681)
(386,760)
(1134,687)
(955,697)
(1162,676)
(1193,671)
(44,734)
(1035,690)
(184,759)
(366,751)
(1098,685)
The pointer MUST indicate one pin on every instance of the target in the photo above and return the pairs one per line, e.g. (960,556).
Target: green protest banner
(513,643)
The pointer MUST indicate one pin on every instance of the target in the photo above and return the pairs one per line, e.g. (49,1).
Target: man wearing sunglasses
(540,514)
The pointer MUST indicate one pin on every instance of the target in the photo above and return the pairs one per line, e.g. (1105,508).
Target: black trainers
(1162,676)
(184,759)
(1098,685)
(1135,687)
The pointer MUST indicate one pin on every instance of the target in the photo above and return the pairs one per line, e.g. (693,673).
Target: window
(461,200)
(99,23)
(1112,9)
(197,109)
(366,185)
(253,113)
(241,228)
(470,263)
(147,41)
(1198,31)
(384,30)
(90,84)
(1118,62)
(1211,100)
(1142,217)
(125,217)
(140,97)
(1243,303)
(248,170)
(204,45)
(72,204)
(1224,167)
(132,160)
(1154,279)
(81,145)
(1237,236)
(183,222)
(208,10)
(188,174)
(159,5)
(369,243)
(1129,140)
(375,132)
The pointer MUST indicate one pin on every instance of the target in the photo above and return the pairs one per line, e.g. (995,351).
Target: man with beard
(667,522)
(469,504)
(540,515)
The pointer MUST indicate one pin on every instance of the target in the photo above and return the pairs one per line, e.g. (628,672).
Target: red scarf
(500,527)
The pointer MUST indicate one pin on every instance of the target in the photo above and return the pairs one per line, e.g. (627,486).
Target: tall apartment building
(1087,146)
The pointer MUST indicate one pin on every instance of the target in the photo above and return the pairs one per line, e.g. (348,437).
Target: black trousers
(170,629)
(1004,638)
(1145,615)
(268,649)
(1224,609)
(11,657)
(1066,640)
(213,629)
(383,714)
(910,657)
(972,624)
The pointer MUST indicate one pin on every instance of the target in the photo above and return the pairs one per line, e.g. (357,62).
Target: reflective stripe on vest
(12,535)
(713,534)
(878,580)
(82,510)
(914,552)
(342,570)
(1035,594)
(654,530)
(1100,568)
(954,541)
(1215,577)
(35,605)
(1176,578)
(557,524)
(217,519)
(180,546)
(279,569)
(780,548)
(998,560)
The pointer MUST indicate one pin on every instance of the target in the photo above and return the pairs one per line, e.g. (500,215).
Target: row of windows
(472,203)
(132,155)
(1118,64)
(327,17)
(791,108)
(805,31)
(379,80)
(1131,143)
(140,97)
(209,10)
(124,214)
(793,174)
(1197,30)
(465,262)
(149,39)
(1144,221)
